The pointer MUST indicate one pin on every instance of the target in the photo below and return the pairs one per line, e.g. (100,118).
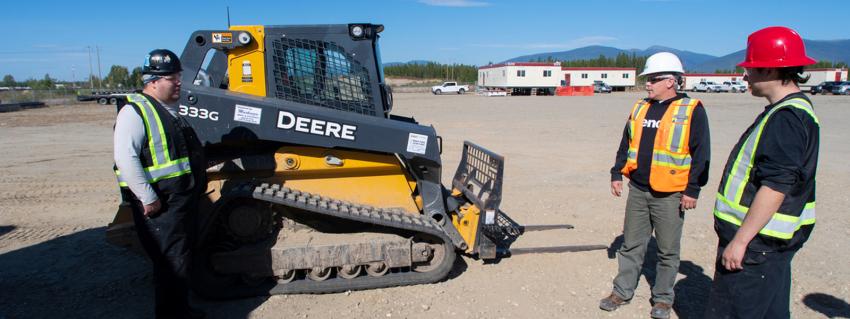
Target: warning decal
(247,114)
(417,143)
(222,37)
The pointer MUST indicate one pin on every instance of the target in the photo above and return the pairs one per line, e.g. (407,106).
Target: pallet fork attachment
(478,181)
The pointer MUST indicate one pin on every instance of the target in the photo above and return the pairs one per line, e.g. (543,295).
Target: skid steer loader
(314,187)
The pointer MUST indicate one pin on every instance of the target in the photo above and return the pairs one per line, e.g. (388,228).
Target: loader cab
(330,66)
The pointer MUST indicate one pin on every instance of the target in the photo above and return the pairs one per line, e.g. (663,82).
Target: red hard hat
(775,47)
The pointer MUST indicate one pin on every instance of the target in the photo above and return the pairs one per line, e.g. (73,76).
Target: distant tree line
(119,77)
(457,72)
(622,60)
(829,64)
(737,70)
(45,83)
(822,64)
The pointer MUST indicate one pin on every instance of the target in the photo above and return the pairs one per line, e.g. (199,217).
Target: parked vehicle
(842,88)
(735,86)
(449,87)
(824,87)
(709,86)
(601,87)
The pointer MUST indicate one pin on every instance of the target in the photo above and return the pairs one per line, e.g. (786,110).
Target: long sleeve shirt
(699,144)
(128,138)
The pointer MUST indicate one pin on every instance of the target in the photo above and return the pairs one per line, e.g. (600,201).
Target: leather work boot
(660,310)
(612,302)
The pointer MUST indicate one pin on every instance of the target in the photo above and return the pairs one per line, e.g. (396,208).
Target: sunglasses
(657,79)
(171,78)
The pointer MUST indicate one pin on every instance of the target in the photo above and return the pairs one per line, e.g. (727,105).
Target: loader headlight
(356,31)
(244,38)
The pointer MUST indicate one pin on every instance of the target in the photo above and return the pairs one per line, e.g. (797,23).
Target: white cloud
(455,3)
(575,43)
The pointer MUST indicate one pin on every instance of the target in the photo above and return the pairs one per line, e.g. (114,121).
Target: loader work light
(244,38)
(356,31)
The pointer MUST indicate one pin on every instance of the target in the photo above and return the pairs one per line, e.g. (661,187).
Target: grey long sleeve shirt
(128,138)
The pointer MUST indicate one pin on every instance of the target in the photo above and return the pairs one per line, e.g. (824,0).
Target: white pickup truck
(449,87)
(709,86)
(736,86)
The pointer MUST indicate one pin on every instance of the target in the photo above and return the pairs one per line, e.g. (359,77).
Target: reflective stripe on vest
(670,148)
(727,207)
(162,167)
(676,140)
(632,153)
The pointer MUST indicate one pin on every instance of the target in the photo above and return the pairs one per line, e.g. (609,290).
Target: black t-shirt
(699,143)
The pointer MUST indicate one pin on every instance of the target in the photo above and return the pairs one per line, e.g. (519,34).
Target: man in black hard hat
(160,169)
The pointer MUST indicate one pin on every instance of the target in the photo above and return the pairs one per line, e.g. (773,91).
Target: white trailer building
(617,78)
(522,77)
(692,79)
(544,77)
(822,75)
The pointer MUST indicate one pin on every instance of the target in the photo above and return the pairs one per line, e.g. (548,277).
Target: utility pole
(99,75)
(73,76)
(91,75)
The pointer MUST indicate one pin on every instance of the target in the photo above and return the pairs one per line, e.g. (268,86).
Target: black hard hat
(161,62)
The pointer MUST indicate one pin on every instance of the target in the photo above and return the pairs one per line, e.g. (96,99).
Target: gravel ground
(57,194)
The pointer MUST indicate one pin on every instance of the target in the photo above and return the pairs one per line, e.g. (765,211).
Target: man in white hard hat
(665,152)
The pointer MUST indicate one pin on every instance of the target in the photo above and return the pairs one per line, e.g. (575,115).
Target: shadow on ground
(81,276)
(5,230)
(828,305)
(691,291)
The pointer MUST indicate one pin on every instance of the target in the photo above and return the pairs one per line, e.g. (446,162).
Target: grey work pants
(646,211)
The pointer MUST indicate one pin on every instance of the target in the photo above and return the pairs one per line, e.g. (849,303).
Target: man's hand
(766,202)
(733,256)
(152,208)
(617,188)
(688,202)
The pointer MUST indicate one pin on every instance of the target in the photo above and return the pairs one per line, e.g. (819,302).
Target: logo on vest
(651,123)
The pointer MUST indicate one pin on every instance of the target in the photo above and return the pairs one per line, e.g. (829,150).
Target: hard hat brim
(660,72)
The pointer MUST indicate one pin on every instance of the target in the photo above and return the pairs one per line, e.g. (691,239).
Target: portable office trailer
(817,76)
(619,79)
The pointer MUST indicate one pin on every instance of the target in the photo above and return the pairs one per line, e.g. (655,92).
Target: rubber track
(318,204)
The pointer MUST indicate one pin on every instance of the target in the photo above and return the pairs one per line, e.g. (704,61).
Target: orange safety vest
(671,155)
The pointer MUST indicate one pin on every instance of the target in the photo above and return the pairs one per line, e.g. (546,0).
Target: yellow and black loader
(314,186)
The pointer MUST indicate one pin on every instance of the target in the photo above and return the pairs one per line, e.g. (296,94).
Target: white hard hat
(665,62)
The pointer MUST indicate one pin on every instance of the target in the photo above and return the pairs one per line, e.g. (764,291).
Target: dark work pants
(166,237)
(761,290)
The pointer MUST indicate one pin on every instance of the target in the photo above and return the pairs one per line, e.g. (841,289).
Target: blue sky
(53,36)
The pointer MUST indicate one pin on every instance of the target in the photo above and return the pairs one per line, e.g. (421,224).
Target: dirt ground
(57,194)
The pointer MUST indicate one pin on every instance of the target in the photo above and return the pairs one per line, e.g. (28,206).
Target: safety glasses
(656,79)
(171,78)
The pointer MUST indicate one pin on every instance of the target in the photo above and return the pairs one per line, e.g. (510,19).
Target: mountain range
(828,50)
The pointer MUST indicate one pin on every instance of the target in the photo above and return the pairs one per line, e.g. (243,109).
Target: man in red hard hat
(765,207)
